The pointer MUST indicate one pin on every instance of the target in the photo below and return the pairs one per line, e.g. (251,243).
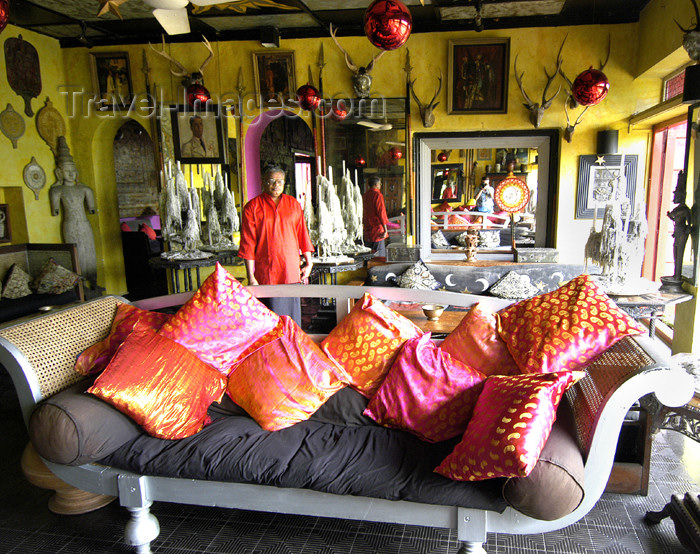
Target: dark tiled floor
(614,526)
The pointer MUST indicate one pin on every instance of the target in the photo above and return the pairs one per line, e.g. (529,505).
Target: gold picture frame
(275,81)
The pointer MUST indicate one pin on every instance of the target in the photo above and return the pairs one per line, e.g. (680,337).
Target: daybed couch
(336,464)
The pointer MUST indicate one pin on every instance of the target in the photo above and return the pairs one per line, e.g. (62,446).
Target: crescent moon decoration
(561,276)
(447,280)
(486,284)
(390,276)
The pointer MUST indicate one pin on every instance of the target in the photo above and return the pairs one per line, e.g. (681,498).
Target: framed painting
(5,231)
(275,81)
(598,179)
(477,80)
(198,136)
(483,154)
(111,77)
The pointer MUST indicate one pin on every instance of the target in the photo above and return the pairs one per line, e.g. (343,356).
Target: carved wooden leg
(67,500)
(472,548)
(141,529)
(657,517)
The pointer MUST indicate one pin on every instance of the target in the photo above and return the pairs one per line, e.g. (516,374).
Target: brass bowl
(433,311)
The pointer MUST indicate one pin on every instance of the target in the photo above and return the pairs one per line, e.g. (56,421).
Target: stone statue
(74,197)
(680,215)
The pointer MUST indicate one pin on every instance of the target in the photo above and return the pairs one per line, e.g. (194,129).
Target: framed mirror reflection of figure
(448,182)
(534,158)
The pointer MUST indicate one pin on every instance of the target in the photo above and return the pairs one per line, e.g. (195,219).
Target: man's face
(273,183)
(197,127)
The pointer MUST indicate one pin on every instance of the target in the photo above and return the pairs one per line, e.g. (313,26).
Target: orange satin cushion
(426,392)
(94,359)
(476,342)
(160,385)
(222,323)
(365,342)
(565,328)
(510,424)
(285,381)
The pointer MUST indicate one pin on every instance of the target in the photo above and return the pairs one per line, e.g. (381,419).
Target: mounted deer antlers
(426,110)
(361,79)
(569,131)
(188,78)
(573,103)
(691,36)
(537,110)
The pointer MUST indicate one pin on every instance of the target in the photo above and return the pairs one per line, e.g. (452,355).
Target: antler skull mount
(426,110)
(361,79)
(189,78)
(537,109)
(691,36)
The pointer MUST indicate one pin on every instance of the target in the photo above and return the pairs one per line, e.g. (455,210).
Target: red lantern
(442,157)
(4,13)
(308,97)
(388,24)
(360,161)
(590,87)
(396,153)
(197,92)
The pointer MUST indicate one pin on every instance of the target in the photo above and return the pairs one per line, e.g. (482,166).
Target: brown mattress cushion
(554,488)
(75,428)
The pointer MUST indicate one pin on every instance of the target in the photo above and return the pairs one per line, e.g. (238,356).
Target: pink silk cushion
(222,323)
(509,427)
(565,328)
(285,381)
(476,342)
(160,385)
(365,342)
(94,359)
(426,392)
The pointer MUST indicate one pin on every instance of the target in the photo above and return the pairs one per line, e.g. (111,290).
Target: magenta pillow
(223,323)
(426,392)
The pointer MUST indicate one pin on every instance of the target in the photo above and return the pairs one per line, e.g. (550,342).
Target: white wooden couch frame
(39,354)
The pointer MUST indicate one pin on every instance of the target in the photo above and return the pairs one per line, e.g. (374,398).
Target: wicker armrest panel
(52,342)
(605,373)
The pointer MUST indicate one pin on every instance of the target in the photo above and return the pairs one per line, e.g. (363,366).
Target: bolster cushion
(554,488)
(75,428)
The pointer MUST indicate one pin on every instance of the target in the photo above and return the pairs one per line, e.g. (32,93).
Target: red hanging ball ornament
(308,97)
(388,24)
(360,161)
(396,153)
(442,157)
(590,87)
(4,13)
(338,111)
(197,92)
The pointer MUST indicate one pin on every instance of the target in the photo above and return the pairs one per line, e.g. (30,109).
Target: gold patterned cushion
(16,283)
(55,279)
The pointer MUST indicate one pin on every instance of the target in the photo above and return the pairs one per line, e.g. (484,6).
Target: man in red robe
(374,216)
(273,236)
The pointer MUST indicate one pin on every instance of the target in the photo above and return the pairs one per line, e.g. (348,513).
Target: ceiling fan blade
(175,22)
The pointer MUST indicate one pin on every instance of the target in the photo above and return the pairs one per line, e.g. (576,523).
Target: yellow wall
(92,134)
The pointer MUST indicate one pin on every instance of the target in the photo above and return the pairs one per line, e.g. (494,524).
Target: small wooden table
(651,305)
(443,326)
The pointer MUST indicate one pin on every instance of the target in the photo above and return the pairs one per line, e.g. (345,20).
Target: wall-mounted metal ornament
(50,125)
(34,177)
(22,68)
(12,124)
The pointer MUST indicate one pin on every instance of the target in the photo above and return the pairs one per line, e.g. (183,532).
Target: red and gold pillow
(509,427)
(94,359)
(285,381)
(223,322)
(476,342)
(160,385)
(426,392)
(565,328)
(365,342)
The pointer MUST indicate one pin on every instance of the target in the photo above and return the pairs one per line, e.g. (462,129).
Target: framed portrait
(5,230)
(477,80)
(198,136)
(111,77)
(483,154)
(274,77)
(598,179)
